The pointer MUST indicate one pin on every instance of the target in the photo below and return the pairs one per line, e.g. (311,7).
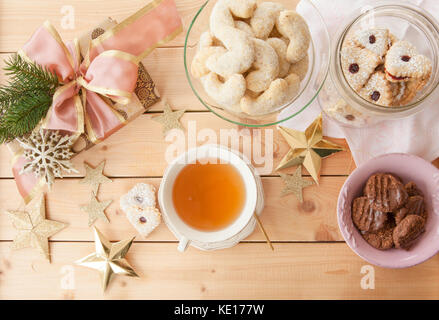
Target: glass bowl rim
(325,76)
(353,18)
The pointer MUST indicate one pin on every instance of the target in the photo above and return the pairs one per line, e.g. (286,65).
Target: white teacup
(188,234)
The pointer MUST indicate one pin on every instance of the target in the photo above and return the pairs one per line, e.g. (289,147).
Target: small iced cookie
(226,94)
(142,195)
(403,63)
(266,67)
(143,220)
(281,50)
(264,18)
(378,90)
(358,64)
(375,40)
(300,68)
(198,67)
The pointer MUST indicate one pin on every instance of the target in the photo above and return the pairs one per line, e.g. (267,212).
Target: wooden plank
(284,218)
(87,14)
(139,149)
(249,271)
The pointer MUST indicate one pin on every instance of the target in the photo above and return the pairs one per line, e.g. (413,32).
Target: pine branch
(26,99)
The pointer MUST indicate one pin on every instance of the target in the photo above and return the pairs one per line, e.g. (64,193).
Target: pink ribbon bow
(108,71)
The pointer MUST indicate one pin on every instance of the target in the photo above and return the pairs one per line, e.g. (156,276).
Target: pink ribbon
(109,71)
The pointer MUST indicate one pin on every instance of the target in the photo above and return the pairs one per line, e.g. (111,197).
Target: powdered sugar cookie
(358,64)
(292,26)
(240,55)
(198,67)
(226,94)
(266,67)
(142,195)
(375,40)
(377,90)
(404,63)
(281,50)
(279,93)
(264,18)
(300,68)
(245,27)
(143,220)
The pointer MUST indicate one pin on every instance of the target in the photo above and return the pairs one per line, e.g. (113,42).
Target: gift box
(104,83)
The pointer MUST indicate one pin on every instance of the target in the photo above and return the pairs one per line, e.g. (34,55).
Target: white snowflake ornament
(48,153)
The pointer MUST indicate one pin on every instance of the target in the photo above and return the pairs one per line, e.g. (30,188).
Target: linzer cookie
(358,65)
(376,40)
(365,217)
(378,90)
(386,191)
(404,63)
(382,69)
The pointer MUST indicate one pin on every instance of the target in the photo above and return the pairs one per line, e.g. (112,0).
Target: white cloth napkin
(417,134)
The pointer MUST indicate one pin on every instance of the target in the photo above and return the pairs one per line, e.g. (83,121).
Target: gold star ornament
(95,210)
(34,230)
(94,177)
(169,119)
(307,148)
(295,183)
(109,258)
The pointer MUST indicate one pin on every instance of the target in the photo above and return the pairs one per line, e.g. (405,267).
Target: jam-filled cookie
(358,64)
(378,90)
(403,63)
(375,39)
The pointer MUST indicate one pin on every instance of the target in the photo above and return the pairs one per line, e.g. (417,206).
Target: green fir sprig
(27,97)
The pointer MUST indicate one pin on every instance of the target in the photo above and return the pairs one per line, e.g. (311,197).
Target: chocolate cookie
(412,189)
(416,205)
(400,214)
(381,239)
(386,191)
(408,230)
(365,217)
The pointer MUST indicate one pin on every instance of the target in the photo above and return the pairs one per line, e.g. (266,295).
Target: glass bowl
(407,22)
(319,59)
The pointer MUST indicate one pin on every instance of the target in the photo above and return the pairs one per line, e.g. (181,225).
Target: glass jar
(407,22)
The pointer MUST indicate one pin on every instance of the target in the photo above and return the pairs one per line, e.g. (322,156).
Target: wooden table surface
(310,261)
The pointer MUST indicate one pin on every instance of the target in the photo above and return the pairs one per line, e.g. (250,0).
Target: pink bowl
(408,168)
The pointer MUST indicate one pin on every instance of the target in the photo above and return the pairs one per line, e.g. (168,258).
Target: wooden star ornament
(95,210)
(295,183)
(307,148)
(109,258)
(169,119)
(94,177)
(34,230)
